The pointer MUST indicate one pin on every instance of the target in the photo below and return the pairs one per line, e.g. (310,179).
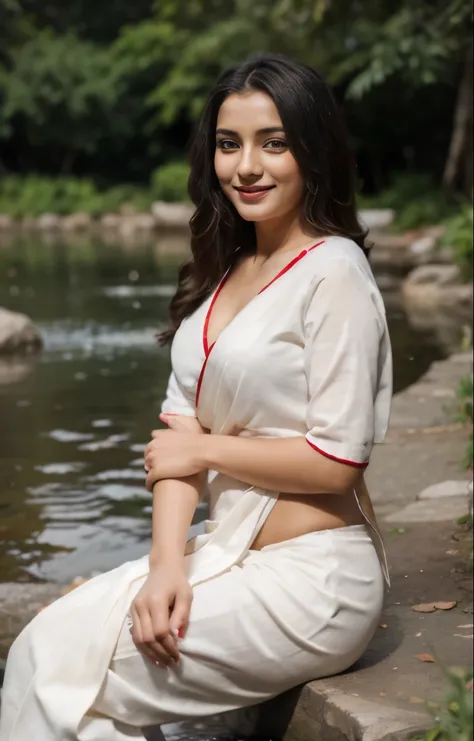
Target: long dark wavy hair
(317,138)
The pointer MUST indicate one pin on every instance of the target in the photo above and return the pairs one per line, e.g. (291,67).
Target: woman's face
(253,163)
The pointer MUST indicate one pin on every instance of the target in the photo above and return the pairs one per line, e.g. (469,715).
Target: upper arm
(176,401)
(343,330)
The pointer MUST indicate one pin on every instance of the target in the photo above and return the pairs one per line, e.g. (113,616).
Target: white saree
(309,356)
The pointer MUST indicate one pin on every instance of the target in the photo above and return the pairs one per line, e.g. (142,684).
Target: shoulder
(340,262)
(342,280)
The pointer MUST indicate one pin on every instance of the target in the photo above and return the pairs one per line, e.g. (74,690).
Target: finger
(179,619)
(151,480)
(137,634)
(150,646)
(161,630)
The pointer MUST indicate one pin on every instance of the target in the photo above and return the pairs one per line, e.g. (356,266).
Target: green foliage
(455,721)
(418,42)
(415,200)
(63,90)
(464,414)
(35,195)
(109,88)
(170,182)
(459,235)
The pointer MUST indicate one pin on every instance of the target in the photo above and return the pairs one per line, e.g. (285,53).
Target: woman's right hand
(160,613)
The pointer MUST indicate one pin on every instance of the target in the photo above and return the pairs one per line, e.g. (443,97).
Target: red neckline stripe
(205,341)
(335,458)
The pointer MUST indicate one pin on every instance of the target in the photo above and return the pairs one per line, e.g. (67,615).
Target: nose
(249,166)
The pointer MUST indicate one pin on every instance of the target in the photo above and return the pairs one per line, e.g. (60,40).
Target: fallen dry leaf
(417,700)
(426,658)
(382,694)
(424,607)
(383,625)
(445,605)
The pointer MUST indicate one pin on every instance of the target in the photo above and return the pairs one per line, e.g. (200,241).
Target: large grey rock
(445,489)
(171,214)
(18,334)
(438,275)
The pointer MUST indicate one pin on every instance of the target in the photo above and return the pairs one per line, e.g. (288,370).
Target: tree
(61,93)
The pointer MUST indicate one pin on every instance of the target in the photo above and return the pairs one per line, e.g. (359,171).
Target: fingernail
(180,633)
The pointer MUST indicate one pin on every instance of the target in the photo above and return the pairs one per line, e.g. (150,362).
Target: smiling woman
(280,386)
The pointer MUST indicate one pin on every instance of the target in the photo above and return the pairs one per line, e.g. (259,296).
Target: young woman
(280,385)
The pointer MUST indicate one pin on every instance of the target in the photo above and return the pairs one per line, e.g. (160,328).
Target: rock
(110,221)
(376,218)
(18,334)
(6,223)
(48,222)
(171,214)
(445,489)
(429,288)
(429,510)
(439,275)
(78,222)
(143,222)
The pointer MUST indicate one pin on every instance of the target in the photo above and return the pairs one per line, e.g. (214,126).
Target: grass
(454,716)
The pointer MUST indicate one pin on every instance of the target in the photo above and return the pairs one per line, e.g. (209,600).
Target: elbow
(337,477)
(346,479)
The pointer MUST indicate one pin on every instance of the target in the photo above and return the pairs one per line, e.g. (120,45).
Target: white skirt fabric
(289,613)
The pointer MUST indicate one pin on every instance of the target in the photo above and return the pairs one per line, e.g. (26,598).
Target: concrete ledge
(325,713)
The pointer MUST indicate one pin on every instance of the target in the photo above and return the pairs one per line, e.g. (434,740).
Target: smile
(253,192)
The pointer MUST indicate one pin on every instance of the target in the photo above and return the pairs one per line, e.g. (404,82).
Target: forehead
(253,110)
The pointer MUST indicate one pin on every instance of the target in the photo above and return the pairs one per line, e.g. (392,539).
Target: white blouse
(310,355)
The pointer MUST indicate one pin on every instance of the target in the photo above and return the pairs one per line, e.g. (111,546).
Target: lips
(254,188)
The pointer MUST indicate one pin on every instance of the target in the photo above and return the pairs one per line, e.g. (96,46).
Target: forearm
(286,465)
(174,505)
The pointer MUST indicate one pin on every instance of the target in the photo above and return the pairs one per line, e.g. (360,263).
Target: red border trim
(289,266)
(205,341)
(339,460)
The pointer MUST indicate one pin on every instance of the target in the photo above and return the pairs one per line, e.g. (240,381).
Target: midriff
(298,514)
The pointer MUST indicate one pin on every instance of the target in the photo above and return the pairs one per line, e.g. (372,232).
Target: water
(73,427)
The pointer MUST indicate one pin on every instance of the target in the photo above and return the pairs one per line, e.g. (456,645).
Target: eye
(226,144)
(276,144)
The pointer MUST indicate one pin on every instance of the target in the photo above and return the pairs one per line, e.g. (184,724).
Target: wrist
(160,558)
(206,452)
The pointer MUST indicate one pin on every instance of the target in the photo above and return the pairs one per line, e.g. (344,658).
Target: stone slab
(445,489)
(432,510)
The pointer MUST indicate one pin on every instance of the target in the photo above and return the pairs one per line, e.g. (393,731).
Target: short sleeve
(343,333)
(175,401)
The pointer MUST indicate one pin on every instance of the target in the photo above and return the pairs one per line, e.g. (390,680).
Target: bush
(455,721)
(464,394)
(34,195)
(415,201)
(170,183)
(459,237)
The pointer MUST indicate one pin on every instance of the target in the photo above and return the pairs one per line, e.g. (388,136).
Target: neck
(282,236)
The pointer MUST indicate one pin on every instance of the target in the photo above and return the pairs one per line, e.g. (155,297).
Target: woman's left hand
(173,453)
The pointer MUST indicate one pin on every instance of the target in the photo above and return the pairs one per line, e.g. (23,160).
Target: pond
(72,495)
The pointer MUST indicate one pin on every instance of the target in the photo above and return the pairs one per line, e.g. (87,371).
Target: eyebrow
(268,130)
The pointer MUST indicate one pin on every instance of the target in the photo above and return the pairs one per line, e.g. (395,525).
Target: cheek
(223,168)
